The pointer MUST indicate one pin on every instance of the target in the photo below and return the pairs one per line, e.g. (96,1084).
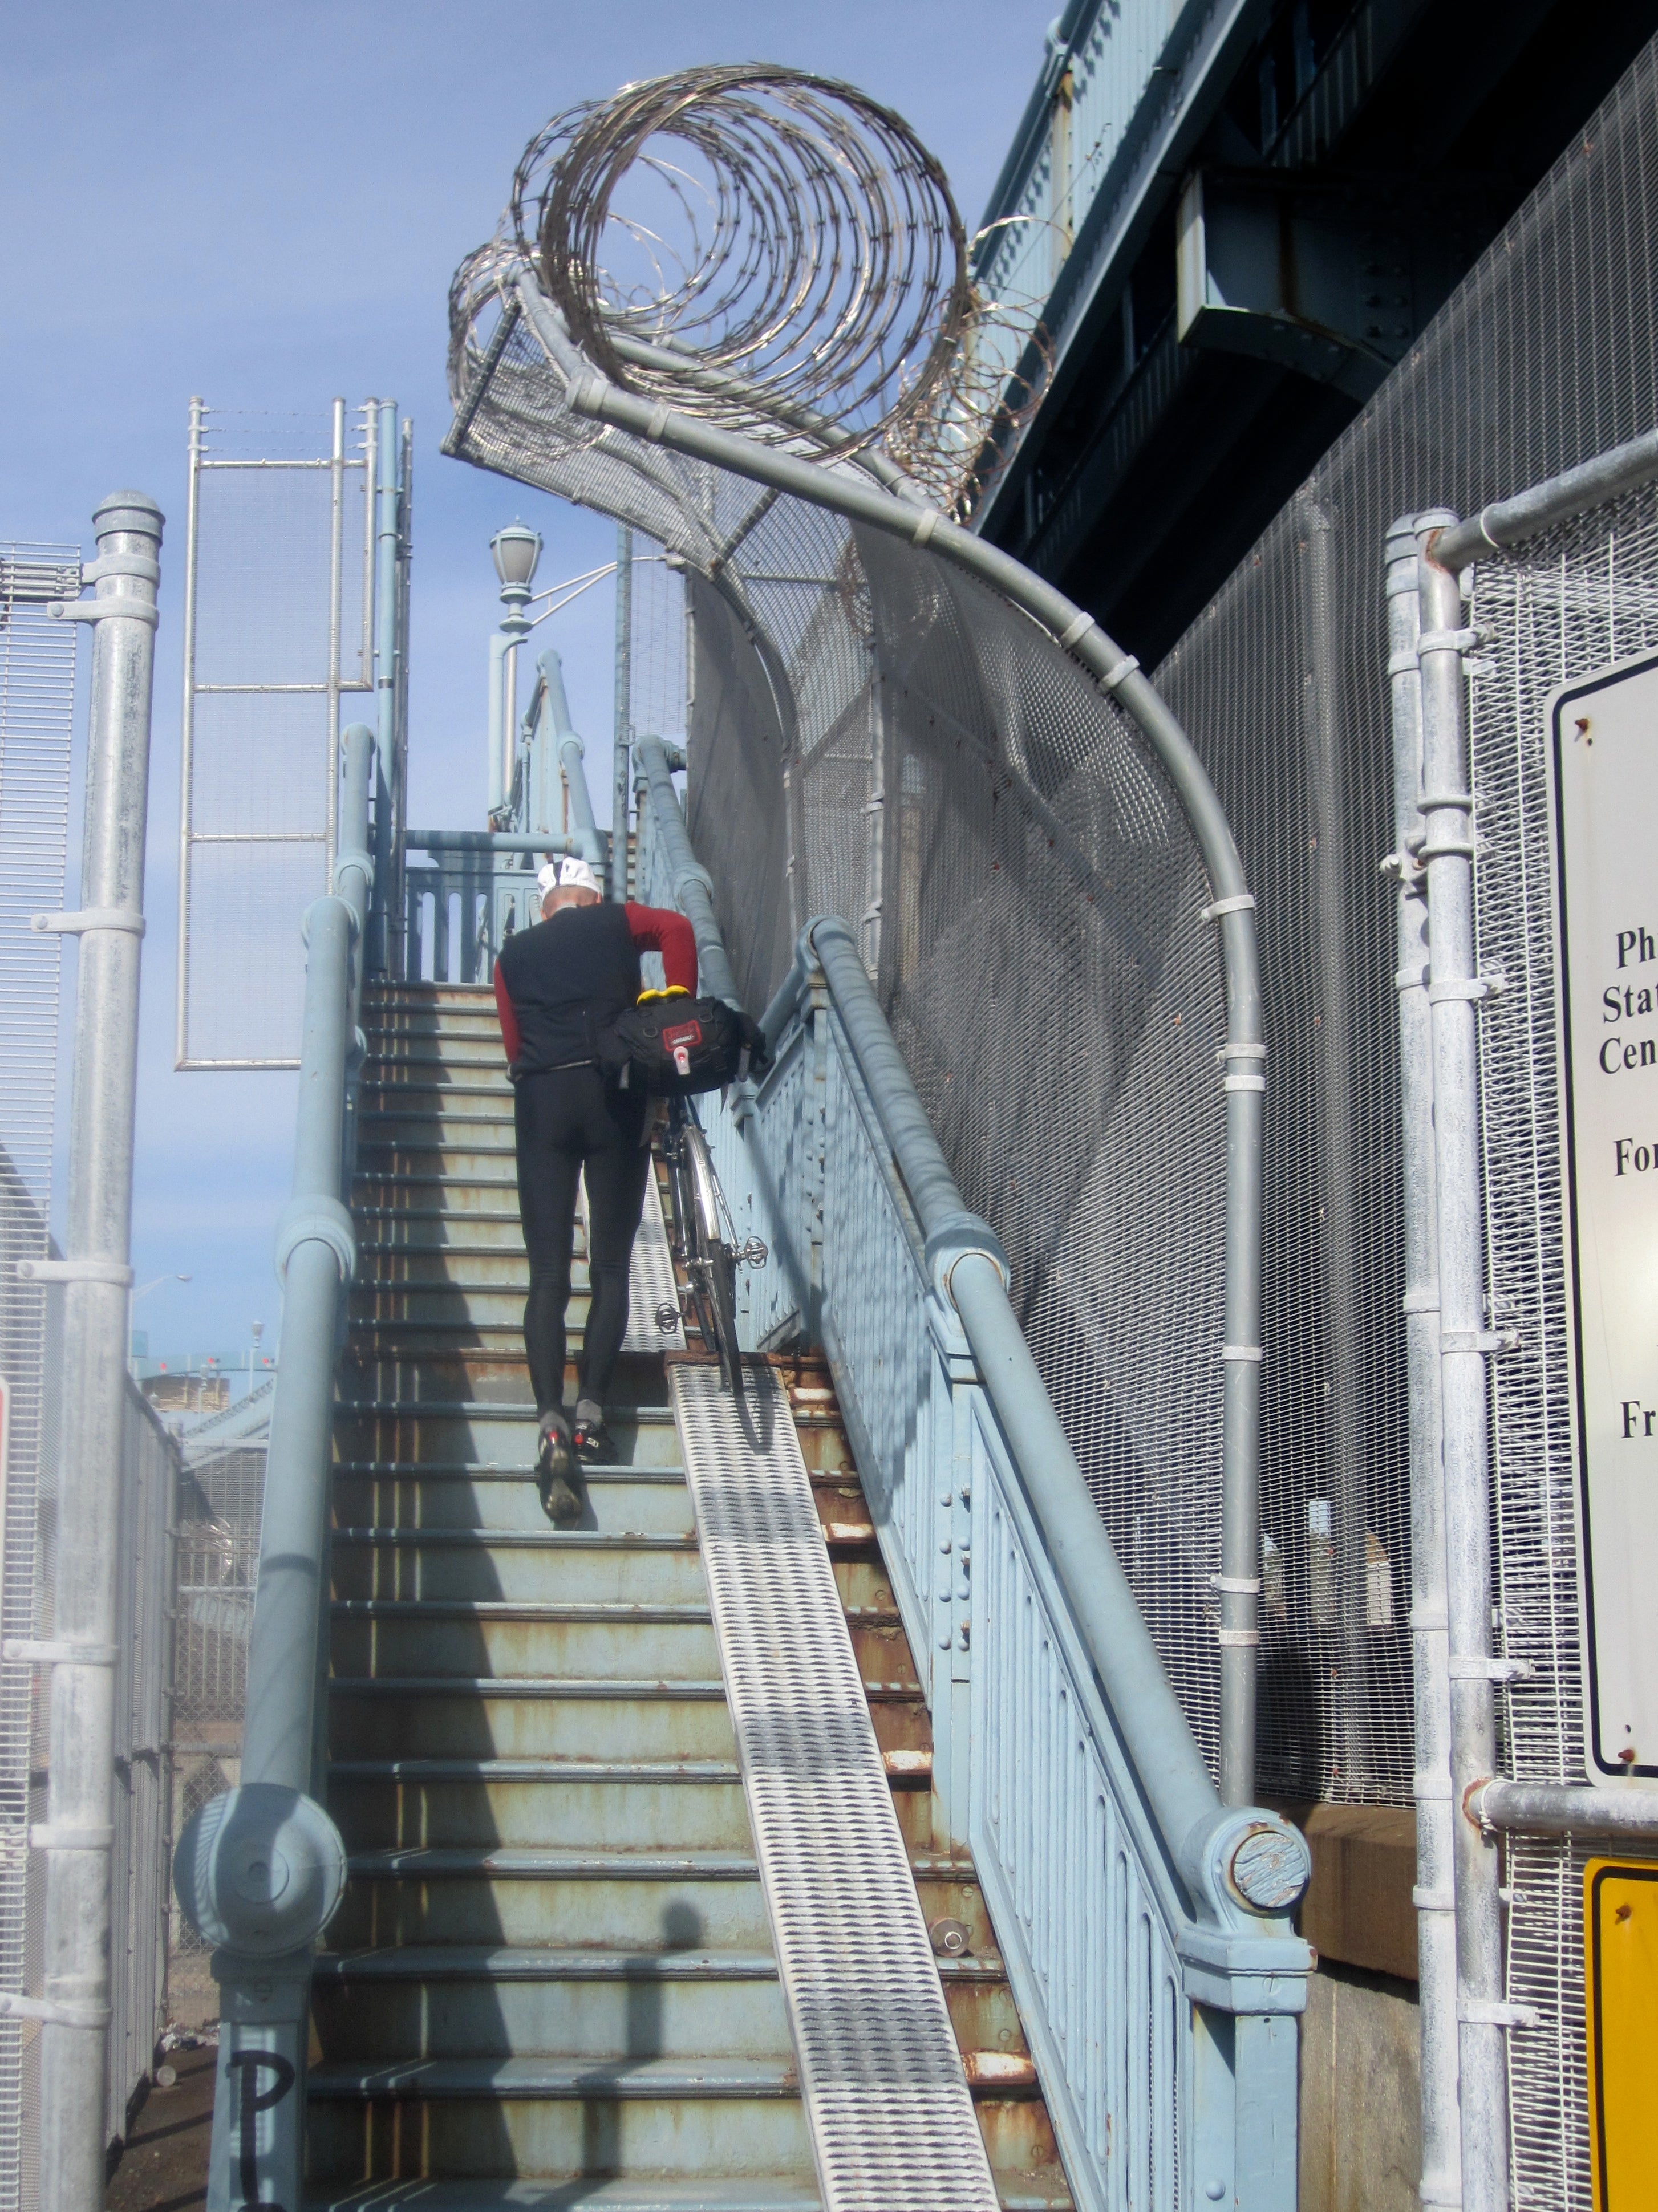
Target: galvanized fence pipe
(1455,989)
(1442,2156)
(1232,905)
(78,1831)
(390,649)
(693,887)
(260,1870)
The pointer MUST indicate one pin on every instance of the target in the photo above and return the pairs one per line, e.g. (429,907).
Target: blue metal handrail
(259,1869)
(1144,1924)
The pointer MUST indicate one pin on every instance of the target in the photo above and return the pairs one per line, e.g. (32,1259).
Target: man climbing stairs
(552,1981)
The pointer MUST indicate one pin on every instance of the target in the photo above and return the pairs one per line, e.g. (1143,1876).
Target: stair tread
(541,1863)
(396,1536)
(534,1770)
(474,1470)
(532,1962)
(526,1962)
(526,1608)
(556,2077)
(519,1686)
(524,2193)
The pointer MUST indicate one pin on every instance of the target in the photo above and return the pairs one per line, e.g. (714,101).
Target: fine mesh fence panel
(36,693)
(141,1860)
(277,632)
(1562,607)
(217,1564)
(913,754)
(657,661)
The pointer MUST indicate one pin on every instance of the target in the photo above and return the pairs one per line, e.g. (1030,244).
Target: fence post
(1464,1339)
(1441,2154)
(389,650)
(80,1793)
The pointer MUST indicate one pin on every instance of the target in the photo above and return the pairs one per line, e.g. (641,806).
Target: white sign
(1603,779)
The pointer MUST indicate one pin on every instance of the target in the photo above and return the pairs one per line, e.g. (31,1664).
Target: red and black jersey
(560,985)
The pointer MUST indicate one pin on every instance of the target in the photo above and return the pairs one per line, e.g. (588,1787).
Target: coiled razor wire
(774,252)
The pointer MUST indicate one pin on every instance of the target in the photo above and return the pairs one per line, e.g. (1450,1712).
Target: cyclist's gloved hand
(754,1043)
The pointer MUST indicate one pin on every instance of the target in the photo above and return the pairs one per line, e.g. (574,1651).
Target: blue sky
(264,206)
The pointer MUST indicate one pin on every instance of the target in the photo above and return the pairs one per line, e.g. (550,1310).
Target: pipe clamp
(24,1652)
(47,1836)
(1497,2012)
(926,523)
(1449,640)
(52,2014)
(1493,1342)
(126,919)
(1433,1900)
(1128,666)
(121,564)
(1489,1670)
(112,1272)
(1243,1352)
(318,1220)
(1239,1638)
(1235,1585)
(353,857)
(1472,989)
(1240,902)
(95,610)
(1075,632)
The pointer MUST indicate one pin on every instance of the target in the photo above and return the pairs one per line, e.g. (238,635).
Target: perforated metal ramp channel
(651,1278)
(886,2101)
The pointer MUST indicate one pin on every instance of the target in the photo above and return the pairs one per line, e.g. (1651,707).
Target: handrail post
(1448,859)
(260,1870)
(78,1830)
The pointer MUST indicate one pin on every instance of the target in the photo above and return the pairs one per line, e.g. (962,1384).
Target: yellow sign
(1621,1955)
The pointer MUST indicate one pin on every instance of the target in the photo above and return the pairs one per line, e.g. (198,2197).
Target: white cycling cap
(568,874)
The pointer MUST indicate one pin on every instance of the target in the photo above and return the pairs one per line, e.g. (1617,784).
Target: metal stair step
(581,2003)
(485,1431)
(443,1718)
(582,1566)
(649,1501)
(588,1803)
(707,2193)
(534,1895)
(642,2118)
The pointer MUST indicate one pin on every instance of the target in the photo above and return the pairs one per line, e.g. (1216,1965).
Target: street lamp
(515,550)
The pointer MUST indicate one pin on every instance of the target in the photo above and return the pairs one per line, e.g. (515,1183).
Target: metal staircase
(552,1980)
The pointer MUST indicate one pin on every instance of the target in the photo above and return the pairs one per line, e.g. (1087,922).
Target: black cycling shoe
(555,1467)
(594,1442)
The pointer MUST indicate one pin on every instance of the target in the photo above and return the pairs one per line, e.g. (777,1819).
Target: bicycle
(705,1243)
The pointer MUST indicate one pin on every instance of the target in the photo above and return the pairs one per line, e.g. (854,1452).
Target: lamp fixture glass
(515,551)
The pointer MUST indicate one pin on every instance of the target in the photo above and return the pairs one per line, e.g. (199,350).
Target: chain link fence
(37,707)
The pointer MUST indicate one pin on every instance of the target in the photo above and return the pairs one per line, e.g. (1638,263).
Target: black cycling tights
(568,1120)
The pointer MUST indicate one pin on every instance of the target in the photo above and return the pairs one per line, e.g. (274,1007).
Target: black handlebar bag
(674,1046)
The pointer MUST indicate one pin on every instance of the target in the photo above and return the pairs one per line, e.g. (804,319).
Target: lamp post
(515,551)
